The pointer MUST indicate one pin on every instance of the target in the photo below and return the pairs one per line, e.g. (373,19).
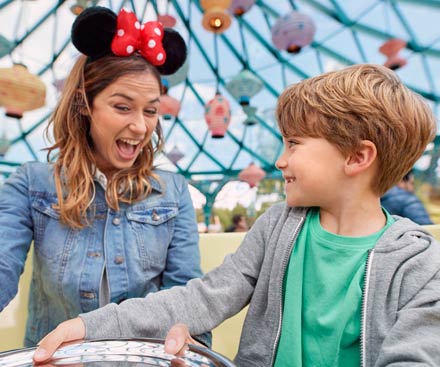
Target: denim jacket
(146,246)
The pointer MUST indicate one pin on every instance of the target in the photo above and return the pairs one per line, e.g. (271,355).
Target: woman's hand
(177,339)
(69,330)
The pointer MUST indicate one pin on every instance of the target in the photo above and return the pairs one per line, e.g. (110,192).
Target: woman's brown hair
(73,149)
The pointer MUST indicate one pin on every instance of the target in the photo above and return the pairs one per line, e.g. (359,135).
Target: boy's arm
(414,339)
(202,304)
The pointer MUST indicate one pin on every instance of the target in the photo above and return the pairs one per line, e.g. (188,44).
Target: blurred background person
(239,224)
(402,200)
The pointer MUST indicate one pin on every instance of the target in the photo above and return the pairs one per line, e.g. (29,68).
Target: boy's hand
(69,330)
(175,342)
(177,339)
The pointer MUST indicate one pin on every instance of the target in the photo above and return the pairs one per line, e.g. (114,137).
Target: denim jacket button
(93,254)
(88,295)
(119,259)
(155,216)
(116,221)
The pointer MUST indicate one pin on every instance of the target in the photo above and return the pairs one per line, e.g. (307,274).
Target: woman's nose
(138,124)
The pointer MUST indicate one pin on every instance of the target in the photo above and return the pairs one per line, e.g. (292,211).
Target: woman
(106,225)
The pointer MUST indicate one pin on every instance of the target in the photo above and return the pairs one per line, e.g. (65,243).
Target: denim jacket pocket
(154,216)
(153,228)
(49,238)
(45,206)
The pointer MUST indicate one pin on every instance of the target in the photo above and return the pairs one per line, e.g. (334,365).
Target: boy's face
(313,171)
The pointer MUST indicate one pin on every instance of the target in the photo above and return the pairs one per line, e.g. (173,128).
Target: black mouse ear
(93,31)
(175,49)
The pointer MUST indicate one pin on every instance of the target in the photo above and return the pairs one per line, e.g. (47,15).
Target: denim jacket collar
(102,180)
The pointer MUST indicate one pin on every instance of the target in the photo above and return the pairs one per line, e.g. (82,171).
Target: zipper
(104,268)
(284,266)
(364,305)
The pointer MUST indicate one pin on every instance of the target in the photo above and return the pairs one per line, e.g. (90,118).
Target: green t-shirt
(322,297)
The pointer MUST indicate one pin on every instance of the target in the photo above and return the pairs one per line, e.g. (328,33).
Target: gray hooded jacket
(401,302)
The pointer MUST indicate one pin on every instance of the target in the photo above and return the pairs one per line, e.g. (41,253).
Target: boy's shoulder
(280,213)
(403,232)
(282,208)
(409,240)
(408,256)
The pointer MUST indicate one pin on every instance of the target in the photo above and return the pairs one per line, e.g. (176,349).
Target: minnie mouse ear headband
(98,32)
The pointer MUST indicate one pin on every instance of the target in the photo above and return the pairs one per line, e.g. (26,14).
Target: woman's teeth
(130,142)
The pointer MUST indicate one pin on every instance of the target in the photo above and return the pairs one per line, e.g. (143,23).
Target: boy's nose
(280,163)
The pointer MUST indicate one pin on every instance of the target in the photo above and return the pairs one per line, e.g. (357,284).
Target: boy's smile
(289,179)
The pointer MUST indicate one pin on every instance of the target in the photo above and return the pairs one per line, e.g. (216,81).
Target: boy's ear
(361,159)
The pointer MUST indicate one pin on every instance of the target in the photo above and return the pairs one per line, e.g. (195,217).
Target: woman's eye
(151,112)
(121,108)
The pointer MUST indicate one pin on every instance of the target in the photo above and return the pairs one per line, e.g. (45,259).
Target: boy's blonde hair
(361,102)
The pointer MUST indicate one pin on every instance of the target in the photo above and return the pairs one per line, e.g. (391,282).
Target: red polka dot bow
(131,36)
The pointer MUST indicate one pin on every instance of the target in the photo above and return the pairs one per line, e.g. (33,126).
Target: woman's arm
(16,233)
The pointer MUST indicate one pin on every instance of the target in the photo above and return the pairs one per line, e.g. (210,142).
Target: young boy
(331,279)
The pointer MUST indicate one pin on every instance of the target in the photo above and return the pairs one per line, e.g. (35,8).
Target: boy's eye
(291,143)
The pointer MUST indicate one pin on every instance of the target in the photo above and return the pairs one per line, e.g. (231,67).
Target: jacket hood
(402,233)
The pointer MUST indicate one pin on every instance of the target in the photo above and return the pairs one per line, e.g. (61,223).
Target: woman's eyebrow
(155,100)
(123,95)
(118,94)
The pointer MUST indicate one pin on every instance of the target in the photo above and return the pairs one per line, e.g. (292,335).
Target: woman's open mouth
(128,148)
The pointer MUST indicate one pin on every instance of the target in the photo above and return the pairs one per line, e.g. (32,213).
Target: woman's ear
(84,111)
(81,104)
(361,159)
